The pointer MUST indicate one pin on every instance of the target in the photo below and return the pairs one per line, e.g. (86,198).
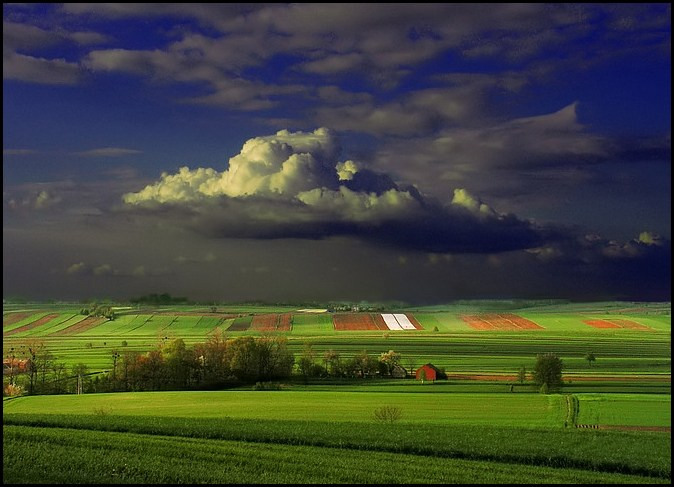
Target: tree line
(219,362)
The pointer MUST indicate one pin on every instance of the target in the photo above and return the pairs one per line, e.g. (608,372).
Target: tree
(363,364)
(80,375)
(306,364)
(548,370)
(590,358)
(389,360)
(332,362)
(422,375)
(522,375)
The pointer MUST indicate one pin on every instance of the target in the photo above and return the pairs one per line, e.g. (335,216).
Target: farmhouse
(431,372)
(398,372)
(13,365)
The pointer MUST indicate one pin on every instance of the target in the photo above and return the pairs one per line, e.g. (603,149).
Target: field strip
(134,328)
(51,325)
(118,325)
(414,321)
(11,318)
(80,326)
(29,326)
(391,322)
(28,319)
(629,324)
(404,321)
(64,324)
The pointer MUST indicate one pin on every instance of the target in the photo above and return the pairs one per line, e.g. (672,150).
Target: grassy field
(625,409)
(454,408)
(105,457)
(289,435)
(471,428)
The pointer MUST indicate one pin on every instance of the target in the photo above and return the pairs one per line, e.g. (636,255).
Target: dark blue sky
(420,152)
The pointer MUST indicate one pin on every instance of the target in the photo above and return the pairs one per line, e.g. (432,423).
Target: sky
(421,153)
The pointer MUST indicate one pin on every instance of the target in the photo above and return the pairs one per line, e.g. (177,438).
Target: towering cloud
(294,185)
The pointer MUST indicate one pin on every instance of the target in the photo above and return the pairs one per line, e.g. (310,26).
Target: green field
(625,409)
(105,457)
(503,436)
(454,408)
(479,426)
(455,346)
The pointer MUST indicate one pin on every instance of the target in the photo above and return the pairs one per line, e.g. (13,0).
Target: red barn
(431,371)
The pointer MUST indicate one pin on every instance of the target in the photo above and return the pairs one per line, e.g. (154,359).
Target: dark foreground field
(131,449)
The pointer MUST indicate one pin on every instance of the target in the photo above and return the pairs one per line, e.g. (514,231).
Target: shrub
(435,328)
(124,343)
(102,411)
(267,386)
(12,390)
(387,414)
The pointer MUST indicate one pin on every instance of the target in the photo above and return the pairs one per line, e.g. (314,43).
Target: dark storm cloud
(431,229)
(542,155)
(639,269)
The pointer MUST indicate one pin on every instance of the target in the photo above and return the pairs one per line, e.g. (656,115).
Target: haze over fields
(421,153)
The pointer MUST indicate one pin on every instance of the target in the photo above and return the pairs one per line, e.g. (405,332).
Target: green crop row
(610,452)
(66,456)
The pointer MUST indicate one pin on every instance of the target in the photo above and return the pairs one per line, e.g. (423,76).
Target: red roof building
(431,371)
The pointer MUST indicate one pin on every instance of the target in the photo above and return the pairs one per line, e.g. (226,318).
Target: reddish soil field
(379,322)
(32,325)
(354,321)
(522,323)
(632,325)
(284,322)
(600,324)
(84,325)
(476,322)
(502,321)
(414,321)
(12,318)
(264,322)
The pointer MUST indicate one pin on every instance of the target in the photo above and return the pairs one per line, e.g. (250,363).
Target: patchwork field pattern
(375,321)
(499,321)
(34,324)
(617,323)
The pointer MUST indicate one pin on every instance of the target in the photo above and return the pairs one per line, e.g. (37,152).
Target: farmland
(610,422)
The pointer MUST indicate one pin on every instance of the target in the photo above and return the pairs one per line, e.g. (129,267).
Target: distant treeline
(164,298)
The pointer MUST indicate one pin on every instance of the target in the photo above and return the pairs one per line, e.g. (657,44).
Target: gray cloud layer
(292,185)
